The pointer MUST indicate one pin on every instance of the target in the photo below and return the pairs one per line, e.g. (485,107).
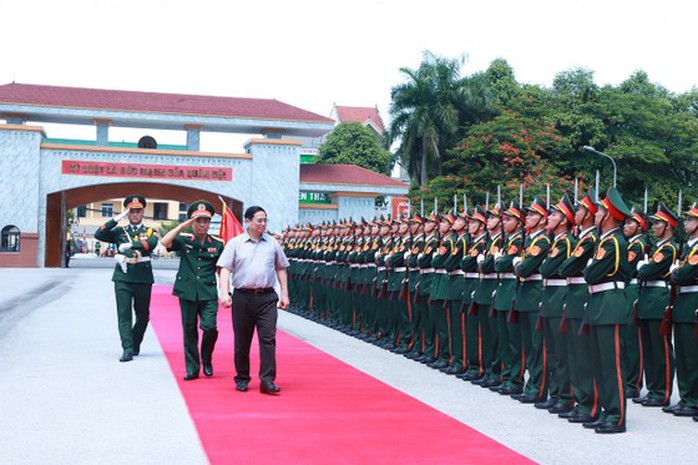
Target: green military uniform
(426,275)
(510,354)
(480,341)
(637,248)
(657,350)
(528,299)
(132,287)
(685,319)
(579,357)
(196,287)
(553,300)
(416,248)
(606,314)
(395,262)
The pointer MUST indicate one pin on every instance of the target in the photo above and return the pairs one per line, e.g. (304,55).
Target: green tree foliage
(353,143)
(429,111)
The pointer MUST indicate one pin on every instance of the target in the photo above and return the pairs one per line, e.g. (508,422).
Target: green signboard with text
(314,197)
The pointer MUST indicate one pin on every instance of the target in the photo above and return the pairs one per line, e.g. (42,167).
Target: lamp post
(591,149)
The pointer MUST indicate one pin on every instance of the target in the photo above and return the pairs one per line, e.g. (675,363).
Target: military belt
(489,276)
(354,265)
(633,281)
(135,260)
(533,277)
(554,282)
(472,275)
(506,276)
(655,283)
(401,269)
(596,288)
(576,280)
(371,265)
(688,289)
(426,270)
(381,268)
(456,273)
(441,271)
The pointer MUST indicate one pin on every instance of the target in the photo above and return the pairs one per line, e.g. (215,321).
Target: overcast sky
(312,54)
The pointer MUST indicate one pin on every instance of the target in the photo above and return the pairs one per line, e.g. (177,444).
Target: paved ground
(66,398)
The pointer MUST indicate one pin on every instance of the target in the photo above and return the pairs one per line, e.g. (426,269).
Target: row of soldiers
(568,308)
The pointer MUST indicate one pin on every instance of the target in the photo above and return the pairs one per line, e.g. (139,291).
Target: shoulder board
(216,238)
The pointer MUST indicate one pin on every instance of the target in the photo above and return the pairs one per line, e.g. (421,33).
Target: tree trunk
(423,171)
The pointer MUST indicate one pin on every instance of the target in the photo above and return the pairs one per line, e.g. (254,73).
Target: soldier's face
(444,226)
(534,220)
(201,225)
(414,227)
(556,219)
(429,226)
(459,224)
(691,225)
(599,217)
(492,222)
(631,228)
(510,224)
(579,214)
(135,215)
(403,228)
(474,227)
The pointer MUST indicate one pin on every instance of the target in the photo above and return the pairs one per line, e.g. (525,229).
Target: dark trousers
(607,354)
(202,313)
(252,311)
(659,361)
(132,298)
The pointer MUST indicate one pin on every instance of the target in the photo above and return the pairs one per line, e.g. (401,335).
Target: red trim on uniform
(589,205)
(447,308)
(693,211)
(566,211)
(464,333)
(595,402)
(615,213)
(643,224)
(523,364)
(638,382)
(479,217)
(619,375)
(146,247)
(517,213)
(481,368)
(667,370)
(135,204)
(664,217)
(543,383)
(540,210)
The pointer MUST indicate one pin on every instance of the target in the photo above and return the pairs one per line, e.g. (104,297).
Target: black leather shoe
(653,402)
(572,412)
(672,408)
(208,370)
(582,418)
(695,418)
(545,405)
(136,350)
(530,399)
(127,356)
(490,382)
(482,381)
(594,424)
(686,411)
(639,400)
(471,375)
(509,391)
(241,386)
(497,387)
(427,360)
(610,428)
(438,364)
(561,407)
(453,370)
(267,387)
(632,395)
(191,375)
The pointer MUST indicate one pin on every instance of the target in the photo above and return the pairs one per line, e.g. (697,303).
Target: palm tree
(429,110)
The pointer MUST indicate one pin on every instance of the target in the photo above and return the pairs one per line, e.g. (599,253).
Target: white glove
(125,246)
(121,215)
(480,258)
(642,263)
(590,261)
(497,255)
(516,261)
(121,260)
(674,266)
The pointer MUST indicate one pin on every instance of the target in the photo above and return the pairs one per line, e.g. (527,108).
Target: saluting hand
(121,215)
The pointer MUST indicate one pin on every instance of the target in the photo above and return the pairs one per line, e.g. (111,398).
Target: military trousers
(607,356)
(132,298)
(202,313)
(632,355)
(579,359)
(687,362)
(457,334)
(533,348)
(658,353)
(557,361)
(439,319)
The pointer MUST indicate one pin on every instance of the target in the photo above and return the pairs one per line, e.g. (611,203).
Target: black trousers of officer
(252,311)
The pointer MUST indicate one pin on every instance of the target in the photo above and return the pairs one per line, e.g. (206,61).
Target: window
(183,211)
(9,239)
(159,211)
(107,210)
(82,211)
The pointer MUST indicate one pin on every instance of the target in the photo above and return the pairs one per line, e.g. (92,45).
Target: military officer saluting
(133,274)
(606,312)
(196,286)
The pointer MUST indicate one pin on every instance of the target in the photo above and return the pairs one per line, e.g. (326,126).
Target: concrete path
(66,399)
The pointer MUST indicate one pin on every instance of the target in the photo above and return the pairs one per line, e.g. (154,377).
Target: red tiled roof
(345,174)
(360,115)
(152,102)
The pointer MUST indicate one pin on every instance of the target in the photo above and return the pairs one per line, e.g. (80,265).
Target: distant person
(67,254)
(254,259)
(133,273)
(195,285)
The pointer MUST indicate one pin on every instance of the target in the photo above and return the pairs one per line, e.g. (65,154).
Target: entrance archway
(58,203)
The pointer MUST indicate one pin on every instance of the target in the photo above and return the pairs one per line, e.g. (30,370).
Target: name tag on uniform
(212,249)
(188,246)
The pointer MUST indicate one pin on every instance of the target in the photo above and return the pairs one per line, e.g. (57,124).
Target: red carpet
(328,412)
